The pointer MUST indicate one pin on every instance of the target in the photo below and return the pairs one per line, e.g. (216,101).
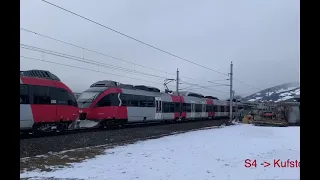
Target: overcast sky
(261,37)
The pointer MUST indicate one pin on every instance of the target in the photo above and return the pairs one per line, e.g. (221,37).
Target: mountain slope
(283,92)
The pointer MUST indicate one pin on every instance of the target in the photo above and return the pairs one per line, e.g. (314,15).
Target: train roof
(211,97)
(146,88)
(40,74)
(105,83)
(192,94)
(109,83)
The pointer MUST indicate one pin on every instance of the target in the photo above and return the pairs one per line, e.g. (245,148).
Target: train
(112,103)
(46,104)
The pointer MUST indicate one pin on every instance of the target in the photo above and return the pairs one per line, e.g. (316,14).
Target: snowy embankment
(207,154)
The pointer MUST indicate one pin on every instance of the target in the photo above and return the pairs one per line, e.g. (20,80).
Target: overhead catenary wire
(82,68)
(75,58)
(130,37)
(109,56)
(77,67)
(90,50)
(79,59)
(192,87)
(84,60)
(205,87)
(142,42)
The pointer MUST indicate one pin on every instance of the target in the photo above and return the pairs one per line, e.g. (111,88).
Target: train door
(203,114)
(26,116)
(158,114)
(67,108)
(44,108)
(193,109)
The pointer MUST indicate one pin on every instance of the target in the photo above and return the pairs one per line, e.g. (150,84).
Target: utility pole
(231,91)
(177,82)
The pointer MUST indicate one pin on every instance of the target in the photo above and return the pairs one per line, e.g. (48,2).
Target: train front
(87,99)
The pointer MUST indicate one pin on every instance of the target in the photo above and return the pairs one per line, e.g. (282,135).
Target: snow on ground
(207,154)
(286,89)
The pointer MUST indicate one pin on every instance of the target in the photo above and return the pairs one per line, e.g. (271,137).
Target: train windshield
(87,97)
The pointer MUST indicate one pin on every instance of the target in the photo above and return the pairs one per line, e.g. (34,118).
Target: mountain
(283,92)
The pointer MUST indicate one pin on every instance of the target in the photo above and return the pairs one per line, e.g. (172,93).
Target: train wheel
(103,125)
(61,128)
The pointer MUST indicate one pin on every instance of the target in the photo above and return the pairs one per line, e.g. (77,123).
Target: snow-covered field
(206,154)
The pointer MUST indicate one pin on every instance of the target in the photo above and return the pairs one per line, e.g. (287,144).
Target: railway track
(87,130)
(94,137)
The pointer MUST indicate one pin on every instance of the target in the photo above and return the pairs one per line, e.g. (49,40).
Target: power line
(76,58)
(130,37)
(246,84)
(42,60)
(90,50)
(203,87)
(106,55)
(67,65)
(193,87)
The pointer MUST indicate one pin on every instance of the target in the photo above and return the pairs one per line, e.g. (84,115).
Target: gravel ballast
(43,145)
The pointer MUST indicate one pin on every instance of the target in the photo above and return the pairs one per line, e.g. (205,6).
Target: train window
(184,107)
(125,100)
(171,107)
(188,106)
(233,109)
(24,94)
(109,100)
(177,107)
(166,107)
(198,108)
(215,108)
(58,96)
(105,101)
(222,108)
(150,101)
(41,95)
(134,100)
(143,101)
(227,108)
(72,100)
(208,108)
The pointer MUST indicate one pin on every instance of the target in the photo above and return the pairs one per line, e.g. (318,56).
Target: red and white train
(110,102)
(45,102)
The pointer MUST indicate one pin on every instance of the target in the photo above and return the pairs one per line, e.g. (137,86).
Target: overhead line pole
(177,82)
(231,91)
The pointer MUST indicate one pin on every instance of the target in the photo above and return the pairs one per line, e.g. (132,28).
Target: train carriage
(45,102)
(109,102)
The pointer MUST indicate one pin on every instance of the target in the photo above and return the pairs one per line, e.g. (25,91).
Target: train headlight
(80,111)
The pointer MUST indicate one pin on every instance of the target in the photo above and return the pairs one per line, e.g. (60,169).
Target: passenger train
(113,103)
(45,102)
